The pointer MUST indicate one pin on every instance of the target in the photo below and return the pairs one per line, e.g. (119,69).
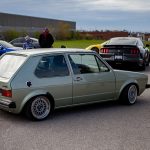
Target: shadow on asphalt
(96,108)
(74,111)
(64,111)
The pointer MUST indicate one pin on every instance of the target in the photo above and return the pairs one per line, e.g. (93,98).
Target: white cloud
(88,13)
(124,5)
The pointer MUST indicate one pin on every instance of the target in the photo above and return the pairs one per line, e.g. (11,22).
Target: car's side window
(21,40)
(85,63)
(52,66)
(15,41)
(102,66)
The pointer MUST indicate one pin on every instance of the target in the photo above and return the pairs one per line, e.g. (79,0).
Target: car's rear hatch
(9,65)
(120,51)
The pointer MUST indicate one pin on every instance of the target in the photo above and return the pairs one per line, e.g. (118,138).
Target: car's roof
(128,38)
(41,51)
(21,37)
(123,41)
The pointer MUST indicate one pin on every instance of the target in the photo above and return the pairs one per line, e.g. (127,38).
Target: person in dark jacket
(46,40)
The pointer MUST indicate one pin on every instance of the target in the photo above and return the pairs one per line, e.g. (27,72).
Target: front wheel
(129,94)
(38,108)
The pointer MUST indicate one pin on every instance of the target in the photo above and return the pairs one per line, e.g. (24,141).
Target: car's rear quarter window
(9,64)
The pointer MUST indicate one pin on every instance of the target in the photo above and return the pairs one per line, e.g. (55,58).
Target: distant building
(147,37)
(141,36)
(32,24)
(105,35)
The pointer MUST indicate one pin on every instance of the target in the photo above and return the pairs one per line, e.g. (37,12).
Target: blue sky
(131,15)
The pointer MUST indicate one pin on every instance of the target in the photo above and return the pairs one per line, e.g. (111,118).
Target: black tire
(143,67)
(147,64)
(148,60)
(38,108)
(95,49)
(129,94)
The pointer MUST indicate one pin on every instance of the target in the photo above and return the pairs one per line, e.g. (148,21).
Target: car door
(53,74)
(92,79)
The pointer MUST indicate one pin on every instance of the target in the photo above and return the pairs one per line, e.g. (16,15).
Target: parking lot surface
(103,126)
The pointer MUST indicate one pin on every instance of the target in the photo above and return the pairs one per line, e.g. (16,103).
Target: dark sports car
(126,51)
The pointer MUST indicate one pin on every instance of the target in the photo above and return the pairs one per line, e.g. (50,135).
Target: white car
(40,81)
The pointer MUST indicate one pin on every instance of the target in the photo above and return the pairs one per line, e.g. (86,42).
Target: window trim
(52,55)
(96,59)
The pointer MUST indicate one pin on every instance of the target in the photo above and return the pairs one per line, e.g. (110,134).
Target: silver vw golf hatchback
(39,81)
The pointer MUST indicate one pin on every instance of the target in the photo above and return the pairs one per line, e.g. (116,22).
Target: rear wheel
(148,60)
(143,67)
(147,64)
(38,108)
(129,94)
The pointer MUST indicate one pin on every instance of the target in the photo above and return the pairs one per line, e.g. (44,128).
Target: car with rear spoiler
(126,51)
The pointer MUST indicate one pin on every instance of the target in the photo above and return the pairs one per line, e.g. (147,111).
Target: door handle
(78,79)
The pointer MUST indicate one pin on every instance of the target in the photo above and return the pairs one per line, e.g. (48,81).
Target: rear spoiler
(120,46)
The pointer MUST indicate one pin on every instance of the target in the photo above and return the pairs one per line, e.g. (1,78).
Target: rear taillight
(104,50)
(6,93)
(134,51)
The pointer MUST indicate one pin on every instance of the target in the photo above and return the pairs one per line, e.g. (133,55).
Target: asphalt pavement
(103,126)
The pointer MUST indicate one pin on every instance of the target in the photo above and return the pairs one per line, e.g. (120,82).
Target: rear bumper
(125,59)
(126,63)
(7,104)
(147,86)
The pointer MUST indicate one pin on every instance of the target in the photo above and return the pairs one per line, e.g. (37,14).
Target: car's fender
(31,95)
(125,84)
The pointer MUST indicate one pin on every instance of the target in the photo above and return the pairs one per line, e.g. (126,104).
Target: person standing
(28,43)
(46,40)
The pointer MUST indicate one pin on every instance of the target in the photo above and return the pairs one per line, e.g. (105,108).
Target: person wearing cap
(46,40)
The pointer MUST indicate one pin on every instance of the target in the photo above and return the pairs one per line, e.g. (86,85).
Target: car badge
(29,84)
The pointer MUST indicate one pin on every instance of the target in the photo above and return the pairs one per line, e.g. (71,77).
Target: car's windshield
(9,65)
(6,44)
